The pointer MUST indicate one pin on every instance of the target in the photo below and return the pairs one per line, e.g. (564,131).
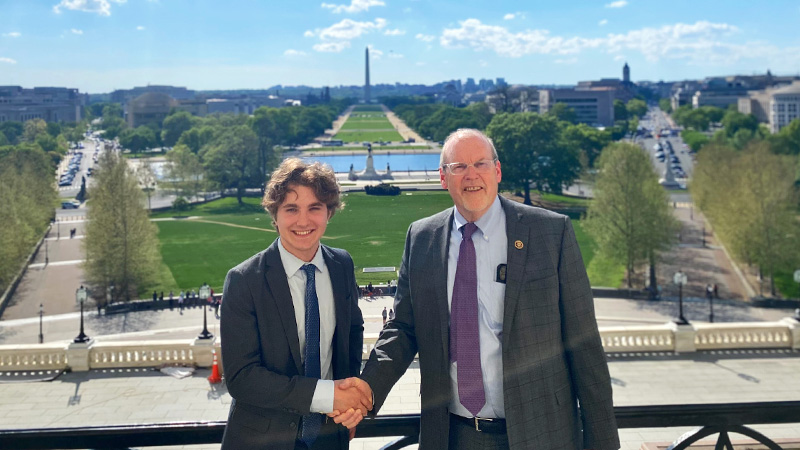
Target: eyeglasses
(481,166)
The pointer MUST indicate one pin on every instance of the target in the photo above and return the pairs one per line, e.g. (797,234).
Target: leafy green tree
(694,139)
(174,126)
(787,140)
(713,113)
(665,105)
(630,217)
(28,196)
(750,197)
(589,140)
(533,152)
(121,243)
(635,108)
(138,139)
(33,129)
(734,121)
(231,161)
(184,172)
(620,111)
(563,113)
(3,140)
(198,136)
(12,131)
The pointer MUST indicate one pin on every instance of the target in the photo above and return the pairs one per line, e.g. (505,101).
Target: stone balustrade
(784,334)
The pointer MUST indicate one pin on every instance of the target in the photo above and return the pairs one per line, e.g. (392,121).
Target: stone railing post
(684,338)
(794,331)
(78,355)
(201,348)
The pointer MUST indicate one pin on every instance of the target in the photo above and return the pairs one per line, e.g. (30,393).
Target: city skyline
(101,45)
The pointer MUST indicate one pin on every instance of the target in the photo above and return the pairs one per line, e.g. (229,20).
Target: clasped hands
(352,398)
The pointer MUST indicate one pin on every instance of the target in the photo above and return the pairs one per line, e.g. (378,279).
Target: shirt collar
(291,263)
(486,222)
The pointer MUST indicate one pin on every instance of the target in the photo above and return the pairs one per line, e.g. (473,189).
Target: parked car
(72,204)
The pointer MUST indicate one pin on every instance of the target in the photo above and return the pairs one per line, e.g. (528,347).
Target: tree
(589,140)
(12,131)
(198,136)
(174,126)
(620,111)
(563,113)
(184,172)
(139,139)
(147,179)
(27,195)
(121,245)
(665,105)
(33,129)
(787,140)
(694,139)
(231,161)
(630,218)
(734,121)
(533,152)
(636,108)
(750,197)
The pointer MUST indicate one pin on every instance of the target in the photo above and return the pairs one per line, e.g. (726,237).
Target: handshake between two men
(352,399)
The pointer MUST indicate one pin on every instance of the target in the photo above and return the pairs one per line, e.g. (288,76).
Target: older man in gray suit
(493,296)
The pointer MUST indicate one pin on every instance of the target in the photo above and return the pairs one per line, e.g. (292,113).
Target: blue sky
(102,45)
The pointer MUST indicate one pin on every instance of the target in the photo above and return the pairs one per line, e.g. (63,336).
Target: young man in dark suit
(291,324)
(509,351)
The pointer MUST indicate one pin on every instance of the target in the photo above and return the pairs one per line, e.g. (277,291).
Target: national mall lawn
(219,235)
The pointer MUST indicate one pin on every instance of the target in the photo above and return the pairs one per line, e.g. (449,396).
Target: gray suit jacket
(553,358)
(261,350)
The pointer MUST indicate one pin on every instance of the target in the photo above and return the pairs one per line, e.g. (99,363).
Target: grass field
(366,116)
(367,125)
(361,108)
(371,228)
(374,147)
(369,136)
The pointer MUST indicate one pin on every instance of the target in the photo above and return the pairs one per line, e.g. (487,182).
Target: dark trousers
(330,438)
(466,437)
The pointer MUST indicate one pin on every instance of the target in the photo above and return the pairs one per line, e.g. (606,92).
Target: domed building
(151,107)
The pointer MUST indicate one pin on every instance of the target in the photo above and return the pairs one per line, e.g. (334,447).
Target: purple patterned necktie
(464,339)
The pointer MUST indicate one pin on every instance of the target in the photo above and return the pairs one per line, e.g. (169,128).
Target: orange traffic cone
(215,377)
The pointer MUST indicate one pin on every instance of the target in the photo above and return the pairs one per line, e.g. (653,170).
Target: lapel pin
(518,245)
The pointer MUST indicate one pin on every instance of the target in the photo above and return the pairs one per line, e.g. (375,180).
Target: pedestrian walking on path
(384,314)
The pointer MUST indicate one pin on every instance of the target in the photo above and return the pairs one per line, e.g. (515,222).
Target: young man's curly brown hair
(293,171)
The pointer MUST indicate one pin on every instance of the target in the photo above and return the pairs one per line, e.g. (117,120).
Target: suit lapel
(278,287)
(516,231)
(441,248)
(341,306)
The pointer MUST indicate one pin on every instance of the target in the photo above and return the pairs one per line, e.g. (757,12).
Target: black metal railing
(714,419)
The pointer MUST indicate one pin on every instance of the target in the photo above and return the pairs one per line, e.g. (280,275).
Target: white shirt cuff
(322,401)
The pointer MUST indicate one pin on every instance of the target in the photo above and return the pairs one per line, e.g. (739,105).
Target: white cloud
(395,55)
(354,6)
(308,33)
(337,37)
(619,58)
(13,34)
(76,31)
(419,63)
(374,53)
(508,16)
(617,4)
(395,32)
(567,61)
(140,28)
(293,52)
(483,63)
(7,60)
(100,7)
(602,22)
(331,47)
(425,37)
(701,43)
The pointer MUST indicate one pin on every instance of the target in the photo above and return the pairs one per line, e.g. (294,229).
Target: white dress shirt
(491,250)
(322,401)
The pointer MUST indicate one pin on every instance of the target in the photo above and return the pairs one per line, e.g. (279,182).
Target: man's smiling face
(472,192)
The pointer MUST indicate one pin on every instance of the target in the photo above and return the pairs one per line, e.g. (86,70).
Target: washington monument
(367,96)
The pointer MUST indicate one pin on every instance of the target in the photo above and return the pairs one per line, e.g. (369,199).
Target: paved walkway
(130,396)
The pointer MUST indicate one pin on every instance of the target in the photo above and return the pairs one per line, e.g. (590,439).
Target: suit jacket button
(292,425)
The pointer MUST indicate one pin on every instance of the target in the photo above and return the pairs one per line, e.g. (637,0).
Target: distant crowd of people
(190,299)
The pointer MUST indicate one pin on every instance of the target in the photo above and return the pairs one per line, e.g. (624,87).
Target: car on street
(71,204)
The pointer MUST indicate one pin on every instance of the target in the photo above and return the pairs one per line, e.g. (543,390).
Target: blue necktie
(312,422)
(465,345)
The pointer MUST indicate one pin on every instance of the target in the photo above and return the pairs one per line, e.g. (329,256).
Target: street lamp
(680,279)
(80,297)
(205,291)
(41,313)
